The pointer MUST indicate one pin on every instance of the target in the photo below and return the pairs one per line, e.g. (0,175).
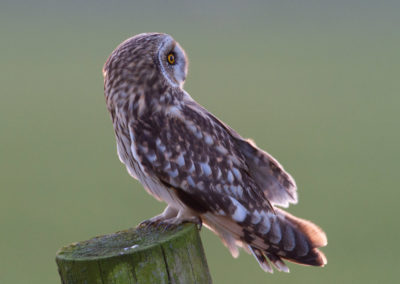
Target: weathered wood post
(141,255)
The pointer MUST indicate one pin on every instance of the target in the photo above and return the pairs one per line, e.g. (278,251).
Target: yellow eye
(171,58)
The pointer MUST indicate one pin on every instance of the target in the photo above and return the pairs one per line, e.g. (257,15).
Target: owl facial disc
(175,73)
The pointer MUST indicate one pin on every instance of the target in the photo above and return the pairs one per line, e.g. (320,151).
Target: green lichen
(122,242)
(141,255)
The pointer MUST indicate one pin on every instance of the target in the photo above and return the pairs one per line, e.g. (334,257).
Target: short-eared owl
(204,170)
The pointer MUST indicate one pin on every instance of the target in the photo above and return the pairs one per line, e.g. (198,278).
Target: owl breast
(127,155)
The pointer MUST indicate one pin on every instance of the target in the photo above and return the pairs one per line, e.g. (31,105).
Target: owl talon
(148,223)
(169,226)
(168,214)
(199,225)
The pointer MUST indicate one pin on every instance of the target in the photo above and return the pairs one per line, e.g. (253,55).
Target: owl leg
(168,213)
(187,216)
(183,216)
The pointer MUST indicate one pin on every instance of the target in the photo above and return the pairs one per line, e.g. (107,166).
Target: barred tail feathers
(308,238)
(275,237)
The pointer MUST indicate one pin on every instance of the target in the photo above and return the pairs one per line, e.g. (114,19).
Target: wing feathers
(278,186)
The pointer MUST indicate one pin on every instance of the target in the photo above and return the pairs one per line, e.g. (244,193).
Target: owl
(199,166)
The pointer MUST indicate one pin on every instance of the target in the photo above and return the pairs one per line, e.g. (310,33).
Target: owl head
(147,60)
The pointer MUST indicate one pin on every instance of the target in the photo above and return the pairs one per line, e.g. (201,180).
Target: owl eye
(171,58)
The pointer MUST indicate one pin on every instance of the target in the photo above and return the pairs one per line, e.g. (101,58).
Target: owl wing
(277,185)
(207,166)
(198,159)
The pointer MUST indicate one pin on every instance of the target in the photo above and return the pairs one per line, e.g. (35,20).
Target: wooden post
(140,255)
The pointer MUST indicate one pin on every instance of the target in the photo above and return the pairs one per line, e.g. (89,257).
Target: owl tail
(273,238)
(290,238)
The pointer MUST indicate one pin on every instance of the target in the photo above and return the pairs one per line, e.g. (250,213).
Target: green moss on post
(141,255)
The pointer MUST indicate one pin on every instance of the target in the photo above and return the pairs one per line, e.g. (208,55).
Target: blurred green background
(316,83)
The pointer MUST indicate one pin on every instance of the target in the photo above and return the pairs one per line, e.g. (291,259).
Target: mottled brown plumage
(199,166)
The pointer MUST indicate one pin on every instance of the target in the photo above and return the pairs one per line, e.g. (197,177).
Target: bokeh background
(316,83)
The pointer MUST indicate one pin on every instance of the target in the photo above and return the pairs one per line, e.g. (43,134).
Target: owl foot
(168,213)
(172,218)
(173,223)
